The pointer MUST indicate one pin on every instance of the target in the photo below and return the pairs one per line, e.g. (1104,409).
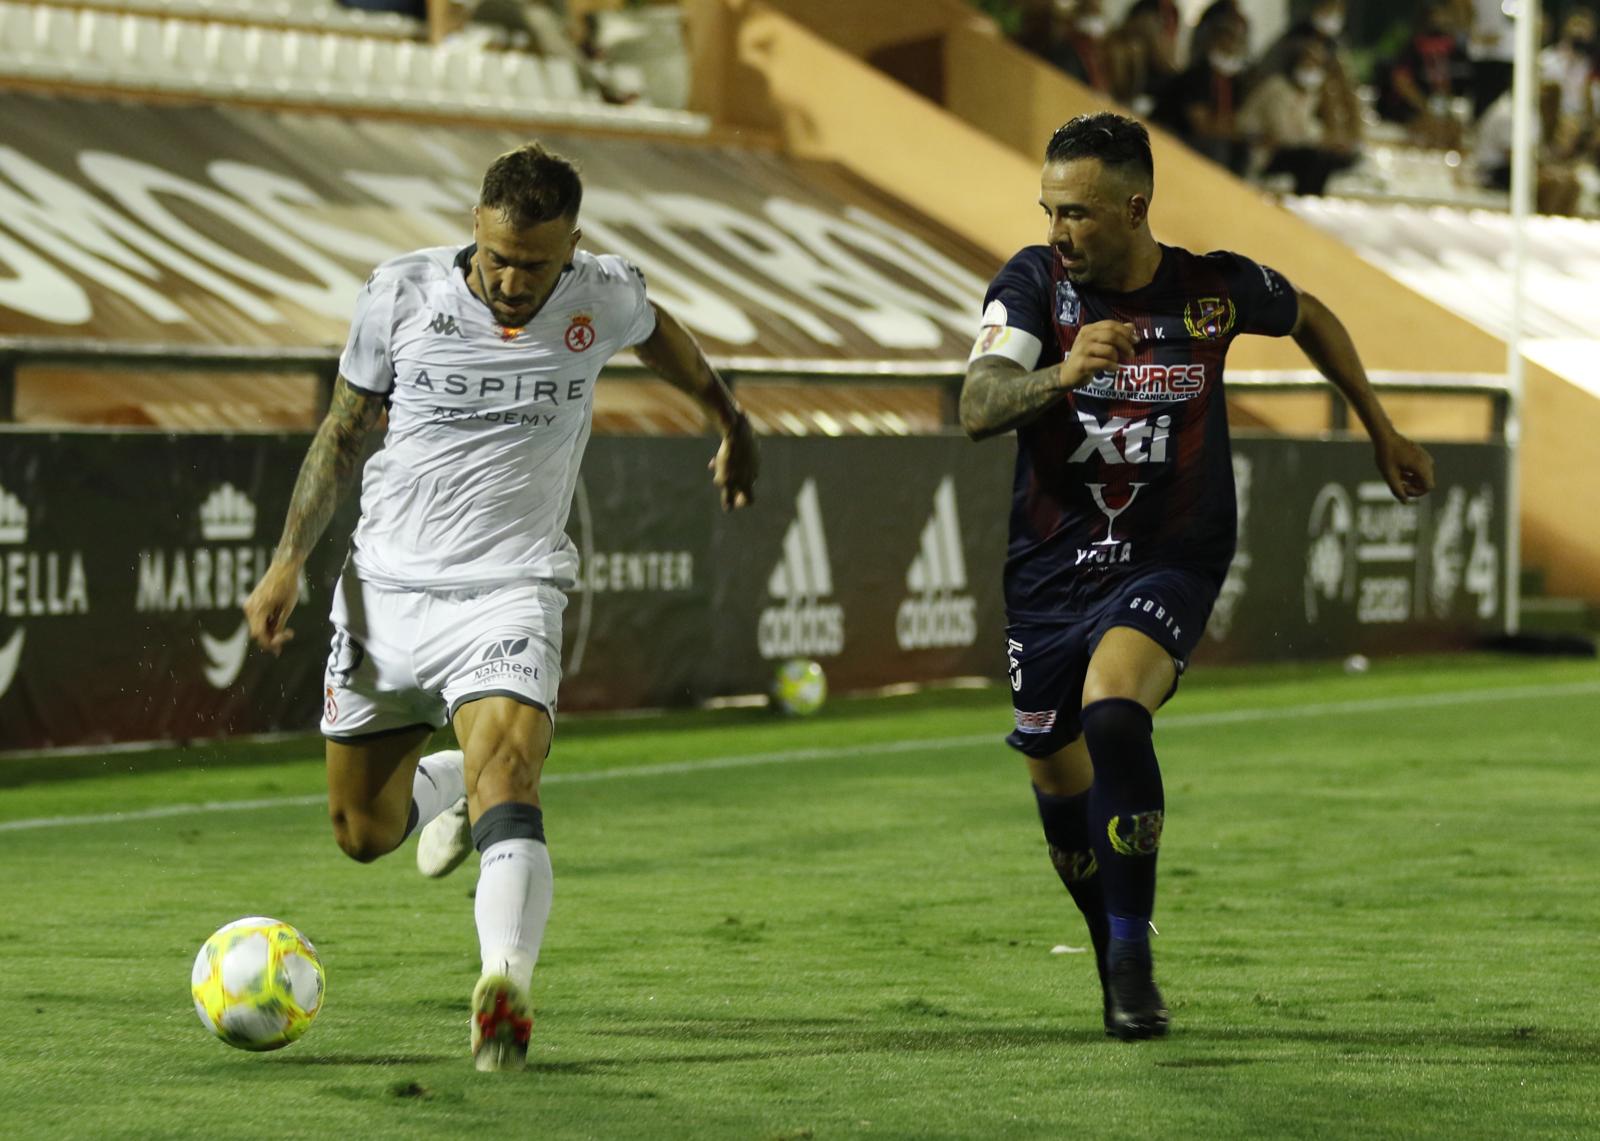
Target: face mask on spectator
(1309,78)
(1092,26)
(1329,24)
(1226,63)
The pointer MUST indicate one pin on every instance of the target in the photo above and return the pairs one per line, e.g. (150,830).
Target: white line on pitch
(882,748)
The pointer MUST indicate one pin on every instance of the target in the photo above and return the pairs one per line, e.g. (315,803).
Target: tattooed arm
(329,470)
(998,394)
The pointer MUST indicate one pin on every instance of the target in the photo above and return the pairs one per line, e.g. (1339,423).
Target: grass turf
(1377,914)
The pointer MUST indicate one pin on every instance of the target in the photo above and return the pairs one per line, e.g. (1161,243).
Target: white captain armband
(1010,342)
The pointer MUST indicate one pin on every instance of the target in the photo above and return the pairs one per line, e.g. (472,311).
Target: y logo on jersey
(939,613)
(31,583)
(802,623)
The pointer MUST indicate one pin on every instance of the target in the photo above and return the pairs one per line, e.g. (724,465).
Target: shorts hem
(376,734)
(523,698)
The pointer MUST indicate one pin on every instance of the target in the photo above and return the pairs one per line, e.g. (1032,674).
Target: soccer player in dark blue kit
(1104,351)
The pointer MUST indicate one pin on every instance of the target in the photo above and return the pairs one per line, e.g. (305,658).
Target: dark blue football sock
(1126,812)
(1066,830)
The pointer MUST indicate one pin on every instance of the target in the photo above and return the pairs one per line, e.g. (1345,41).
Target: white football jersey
(487,426)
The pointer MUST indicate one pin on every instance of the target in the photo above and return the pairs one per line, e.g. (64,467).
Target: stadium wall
(125,557)
(973,165)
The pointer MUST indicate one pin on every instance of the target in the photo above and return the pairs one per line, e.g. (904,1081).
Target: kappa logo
(803,623)
(444,325)
(33,584)
(939,613)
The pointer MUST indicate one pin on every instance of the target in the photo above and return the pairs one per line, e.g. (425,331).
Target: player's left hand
(733,468)
(1406,466)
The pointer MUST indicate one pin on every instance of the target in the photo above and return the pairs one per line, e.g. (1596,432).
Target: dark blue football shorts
(1048,661)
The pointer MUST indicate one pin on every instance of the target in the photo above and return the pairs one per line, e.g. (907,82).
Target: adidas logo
(939,613)
(13,518)
(227,513)
(803,624)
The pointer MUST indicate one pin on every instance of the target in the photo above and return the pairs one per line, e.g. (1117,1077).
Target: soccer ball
(800,687)
(257,983)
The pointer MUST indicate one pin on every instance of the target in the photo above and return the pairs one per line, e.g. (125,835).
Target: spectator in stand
(1422,82)
(1556,189)
(1201,105)
(1219,16)
(1339,109)
(1568,66)
(1492,45)
(1283,119)
(1071,36)
(1144,54)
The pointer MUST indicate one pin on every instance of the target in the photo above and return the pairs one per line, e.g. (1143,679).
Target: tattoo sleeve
(329,469)
(997,395)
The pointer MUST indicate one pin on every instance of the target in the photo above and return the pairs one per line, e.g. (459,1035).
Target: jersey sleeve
(1016,322)
(366,362)
(1266,303)
(637,312)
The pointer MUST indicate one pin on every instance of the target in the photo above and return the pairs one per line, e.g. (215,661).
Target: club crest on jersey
(580,334)
(1069,307)
(1209,318)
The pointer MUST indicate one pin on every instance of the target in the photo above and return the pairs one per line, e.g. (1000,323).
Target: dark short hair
(1116,140)
(531,185)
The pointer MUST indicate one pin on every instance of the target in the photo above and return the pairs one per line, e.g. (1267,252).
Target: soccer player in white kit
(449,607)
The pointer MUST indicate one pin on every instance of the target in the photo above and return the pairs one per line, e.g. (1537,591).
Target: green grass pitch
(1378,915)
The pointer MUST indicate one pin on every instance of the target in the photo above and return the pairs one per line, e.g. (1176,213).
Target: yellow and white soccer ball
(257,983)
(799,687)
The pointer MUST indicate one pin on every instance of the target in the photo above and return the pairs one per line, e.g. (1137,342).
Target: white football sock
(512,905)
(441,780)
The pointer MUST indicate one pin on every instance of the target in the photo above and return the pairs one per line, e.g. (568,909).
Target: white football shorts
(403,658)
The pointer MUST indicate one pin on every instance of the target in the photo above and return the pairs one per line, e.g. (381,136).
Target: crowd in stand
(1297,110)
(565,29)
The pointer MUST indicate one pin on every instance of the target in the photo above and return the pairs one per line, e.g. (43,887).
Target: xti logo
(445,326)
(505,648)
(1142,441)
(937,615)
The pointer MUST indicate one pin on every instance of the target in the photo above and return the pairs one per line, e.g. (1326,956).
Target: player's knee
(360,837)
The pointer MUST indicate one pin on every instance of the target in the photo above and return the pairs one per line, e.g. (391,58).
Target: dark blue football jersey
(1132,470)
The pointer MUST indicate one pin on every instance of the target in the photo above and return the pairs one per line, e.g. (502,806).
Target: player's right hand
(270,604)
(1102,345)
